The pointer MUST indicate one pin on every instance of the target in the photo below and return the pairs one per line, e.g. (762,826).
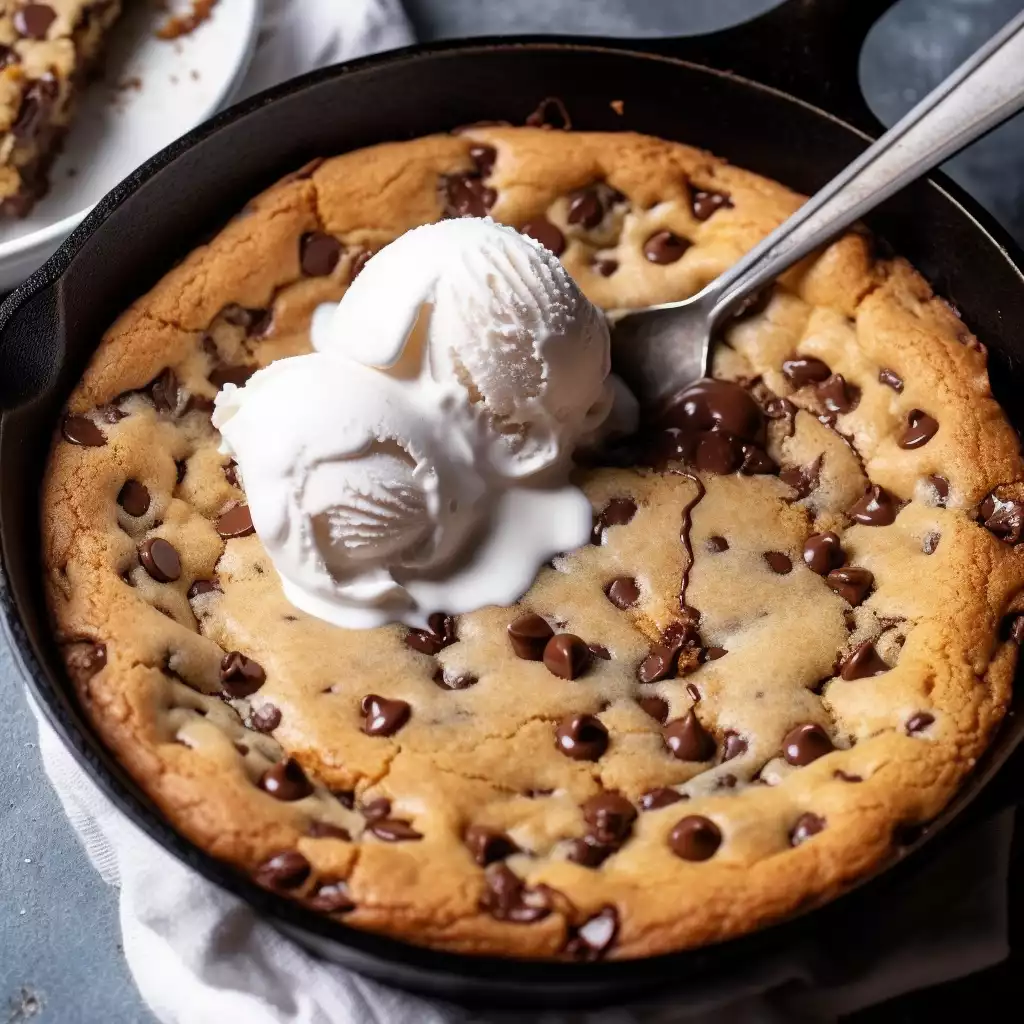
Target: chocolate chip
(394,830)
(802,370)
(837,395)
(610,817)
(111,414)
(8,56)
(440,633)
(823,552)
(662,796)
(920,429)
(236,522)
(181,468)
(691,689)
(929,543)
(487,845)
(715,406)
(359,261)
(727,781)
(876,508)
(606,267)
(659,664)
(595,936)
(891,379)
(845,776)
(585,208)
(717,453)
(325,830)
(802,479)
(134,498)
(160,560)
(733,745)
(618,512)
(806,743)
(231,473)
(508,899)
(528,636)
(566,656)
(714,653)
(35,108)
(581,737)
(164,391)
(84,659)
(266,718)
(33,21)
(383,717)
(346,797)
(203,587)
(704,202)
(756,462)
(319,253)
(717,544)
(807,825)
(851,583)
(695,838)
(82,431)
(287,870)
(665,247)
(483,156)
(778,562)
(919,722)
(656,707)
(454,681)
(286,780)
(330,898)
(941,485)
(465,195)
(688,740)
(221,376)
(376,809)
(543,231)
(1003,517)
(623,592)
(588,853)
(240,676)
(862,663)
(600,651)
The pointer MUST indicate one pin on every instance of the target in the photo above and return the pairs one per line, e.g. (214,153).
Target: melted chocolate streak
(684,536)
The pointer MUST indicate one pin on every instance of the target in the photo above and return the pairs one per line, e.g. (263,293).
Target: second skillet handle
(982,93)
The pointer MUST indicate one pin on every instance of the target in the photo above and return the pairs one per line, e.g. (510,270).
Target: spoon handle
(983,92)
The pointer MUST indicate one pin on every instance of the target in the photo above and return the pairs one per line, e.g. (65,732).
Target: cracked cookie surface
(779,650)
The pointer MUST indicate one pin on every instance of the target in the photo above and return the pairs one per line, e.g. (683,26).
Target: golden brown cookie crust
(944,595)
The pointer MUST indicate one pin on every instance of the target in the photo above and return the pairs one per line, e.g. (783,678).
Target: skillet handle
(808,48)
(31,343)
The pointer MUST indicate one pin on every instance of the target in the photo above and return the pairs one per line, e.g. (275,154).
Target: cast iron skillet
(805,53)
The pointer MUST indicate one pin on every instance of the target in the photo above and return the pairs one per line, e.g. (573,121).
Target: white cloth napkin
(200,956)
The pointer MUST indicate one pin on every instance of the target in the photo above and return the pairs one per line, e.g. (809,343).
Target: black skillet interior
(50,326)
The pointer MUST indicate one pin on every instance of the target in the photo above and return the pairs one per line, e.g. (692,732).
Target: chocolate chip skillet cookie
(793,634)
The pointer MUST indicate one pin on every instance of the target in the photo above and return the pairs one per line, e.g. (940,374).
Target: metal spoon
(660,350)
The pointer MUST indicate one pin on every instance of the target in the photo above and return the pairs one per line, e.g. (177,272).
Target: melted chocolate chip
(656,707)
(34,111)
(862,663)
(359,260)
(717,453)
(231,473)
(717,544)
(891,379)
(806,743)
(181,468)
(919,722)
(383,717)
(528,636)
(920,429)
(375,809)
(803,479)
(487,845)
(134,498)
(704,202)
(610,817)
(823,552)
(451,681)
(331,898)
(778,562)
(659,664)
(164,391)
(837,395)
(543,231)
(662,796)
(688,740)
(714,653)
(606,267)
(266,718)
(465,195)
(802,370)
(325,830)
(941,485)
(581,737)
(203,587)
(807,825)
(221,376)
(483,156)
(756,462)
(876,508)
(566,656)
(286,780)
(236,522)
(717,406)
(600,651)
(734,745)
(852,584)
(623,592)
(84,659)
(1003,517)
(618,512)
(1013,629)
(33,21)
(691,689)
(846,777)
(394,830)
(287,870)
(319,253)
(240,676)
(588,852)
(82,431)
(595,936)
(665,247)
(508,899)
(695,838)
(160,560)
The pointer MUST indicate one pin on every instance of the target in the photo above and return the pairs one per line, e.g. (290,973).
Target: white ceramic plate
(151,92)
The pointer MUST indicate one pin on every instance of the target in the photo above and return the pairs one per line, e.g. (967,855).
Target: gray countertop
(60,951)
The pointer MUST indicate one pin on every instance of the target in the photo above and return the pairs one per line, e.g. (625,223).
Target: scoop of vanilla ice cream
(495,312)
(418,460)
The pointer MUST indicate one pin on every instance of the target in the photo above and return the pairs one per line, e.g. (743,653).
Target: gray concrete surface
(60,953)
